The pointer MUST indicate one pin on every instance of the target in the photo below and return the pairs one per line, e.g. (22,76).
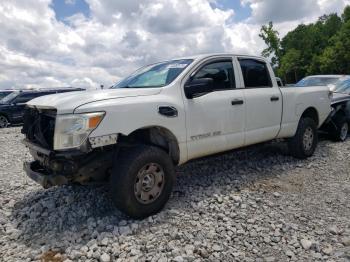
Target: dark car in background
(4,93)
(337,123)
(12,106)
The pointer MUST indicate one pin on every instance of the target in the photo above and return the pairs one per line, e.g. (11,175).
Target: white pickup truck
(164,115)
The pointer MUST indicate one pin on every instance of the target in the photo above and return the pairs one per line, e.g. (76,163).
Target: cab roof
(208,55)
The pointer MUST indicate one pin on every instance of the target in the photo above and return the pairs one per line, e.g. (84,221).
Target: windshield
(156,75)
(4,93)
(342,86)
(7,99)
(317,81)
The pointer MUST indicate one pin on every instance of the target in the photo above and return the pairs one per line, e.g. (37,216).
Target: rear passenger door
(263,101)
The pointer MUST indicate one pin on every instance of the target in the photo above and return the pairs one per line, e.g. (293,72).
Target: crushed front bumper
(36,172)
(51,168)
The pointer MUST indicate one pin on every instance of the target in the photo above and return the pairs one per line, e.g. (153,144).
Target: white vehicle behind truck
(163,115)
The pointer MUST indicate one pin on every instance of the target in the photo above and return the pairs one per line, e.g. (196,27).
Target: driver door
(215,121)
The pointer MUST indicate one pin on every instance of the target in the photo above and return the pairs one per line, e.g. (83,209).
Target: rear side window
(221,72)
(255,73)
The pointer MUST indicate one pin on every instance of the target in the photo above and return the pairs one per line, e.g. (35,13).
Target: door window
(255,73)
(221,72)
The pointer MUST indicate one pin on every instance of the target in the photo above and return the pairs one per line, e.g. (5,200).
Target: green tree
(325,28)
(290,64)
(311,40)
(271,39)
(346,14)
(320,47)
(336,57)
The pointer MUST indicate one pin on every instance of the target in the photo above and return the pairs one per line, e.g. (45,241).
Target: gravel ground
(255,204)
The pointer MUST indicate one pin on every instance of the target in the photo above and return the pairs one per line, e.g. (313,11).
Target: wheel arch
(6,116)
(312,113)
(341,112)
(157,136)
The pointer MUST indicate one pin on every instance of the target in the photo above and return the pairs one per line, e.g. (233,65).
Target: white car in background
(320,80)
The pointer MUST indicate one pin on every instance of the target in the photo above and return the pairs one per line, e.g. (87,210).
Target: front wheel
(4,122)
(304,142)
(142,181)
(340,131)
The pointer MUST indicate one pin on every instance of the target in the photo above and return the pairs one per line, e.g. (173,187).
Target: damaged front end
(50,167)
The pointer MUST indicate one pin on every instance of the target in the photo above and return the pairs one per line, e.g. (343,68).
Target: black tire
(298,147)
(4,122)
(339,131)
(125,177)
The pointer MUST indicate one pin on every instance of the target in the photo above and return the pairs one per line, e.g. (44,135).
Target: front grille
(39,126)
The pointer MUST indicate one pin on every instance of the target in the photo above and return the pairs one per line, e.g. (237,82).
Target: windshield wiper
(140,86)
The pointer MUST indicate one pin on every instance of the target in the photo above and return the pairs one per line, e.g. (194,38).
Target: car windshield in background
(9,98)
(156,75)
(342,86)
(317,81)
(4,93)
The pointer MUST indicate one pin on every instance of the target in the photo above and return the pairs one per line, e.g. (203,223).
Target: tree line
(322,47)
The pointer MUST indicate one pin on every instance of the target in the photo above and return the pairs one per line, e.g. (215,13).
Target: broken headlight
(72,130)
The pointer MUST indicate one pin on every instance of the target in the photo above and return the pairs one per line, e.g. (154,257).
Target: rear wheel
(340,131)
(304,142)
(3,121)
(142,181)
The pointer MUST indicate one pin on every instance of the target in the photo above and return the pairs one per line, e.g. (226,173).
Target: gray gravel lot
(255,204)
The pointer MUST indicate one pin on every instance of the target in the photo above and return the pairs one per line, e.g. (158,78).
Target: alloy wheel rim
(344,131)
(308,138)
(149,183)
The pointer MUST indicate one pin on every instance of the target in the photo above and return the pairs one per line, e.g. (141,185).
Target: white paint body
(257,120)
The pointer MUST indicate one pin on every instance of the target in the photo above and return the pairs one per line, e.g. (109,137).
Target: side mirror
(198,87)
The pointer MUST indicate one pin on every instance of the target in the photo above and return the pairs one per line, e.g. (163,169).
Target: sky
(86,43)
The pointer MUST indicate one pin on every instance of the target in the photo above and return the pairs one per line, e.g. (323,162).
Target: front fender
(125,115)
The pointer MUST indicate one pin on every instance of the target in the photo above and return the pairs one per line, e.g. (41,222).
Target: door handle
(274,98)
(168,111)
(237,102)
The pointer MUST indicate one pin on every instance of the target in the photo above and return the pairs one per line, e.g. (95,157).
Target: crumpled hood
(66,102)
(339,97)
